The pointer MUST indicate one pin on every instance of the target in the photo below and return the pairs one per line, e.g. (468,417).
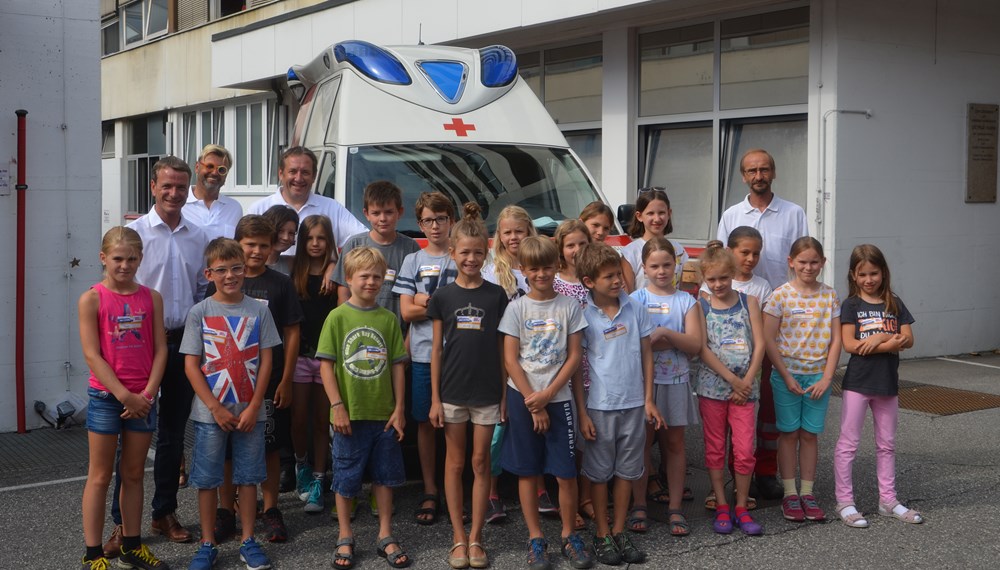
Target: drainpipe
(822,194)
(19,272)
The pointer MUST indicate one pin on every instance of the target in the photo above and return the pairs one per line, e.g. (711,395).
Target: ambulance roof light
(373,61)
(499,66)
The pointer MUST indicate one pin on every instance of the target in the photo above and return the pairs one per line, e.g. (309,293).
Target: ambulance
(434,118)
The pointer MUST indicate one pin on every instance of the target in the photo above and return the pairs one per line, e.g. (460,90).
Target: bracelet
(146,396)
(340,403)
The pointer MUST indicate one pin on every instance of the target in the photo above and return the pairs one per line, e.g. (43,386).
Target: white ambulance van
(459,121)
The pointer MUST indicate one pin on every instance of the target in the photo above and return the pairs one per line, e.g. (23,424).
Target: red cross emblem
(458,125)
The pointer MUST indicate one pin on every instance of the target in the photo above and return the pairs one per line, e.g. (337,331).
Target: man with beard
(206,207)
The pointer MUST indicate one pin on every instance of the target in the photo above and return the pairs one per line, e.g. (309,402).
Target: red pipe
(21,187)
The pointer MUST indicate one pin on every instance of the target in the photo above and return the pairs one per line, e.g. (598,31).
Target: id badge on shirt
(658,308)
(390,276)
(428,271)
(469,323)
(737,345)
(615,331)
(871,324)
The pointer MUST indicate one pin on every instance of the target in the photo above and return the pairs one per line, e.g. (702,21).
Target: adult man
(206,207)
(780,222)
(173,264)
(297,172)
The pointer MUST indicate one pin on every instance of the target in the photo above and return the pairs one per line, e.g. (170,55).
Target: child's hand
(869,344)
(224,418)
(421,299)
(340,419)
(283,395)
(587,429)
(737,398)
(653,416)
(817,390)
(537,401)
(541,421)
(436,415)
(897,343)
(328,287)
(247,419)
(135,406)
(397,421)
(793,386)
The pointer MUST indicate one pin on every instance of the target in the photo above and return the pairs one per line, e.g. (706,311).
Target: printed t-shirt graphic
(232,355)
(366,353)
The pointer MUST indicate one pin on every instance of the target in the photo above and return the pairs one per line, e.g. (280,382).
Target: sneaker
(575,550)
(96,564)
(791,508)
(314,500)
(746,524)
(205,558)
(495,511)
(141,558)
(538,557)
(113,546)
(225,525)
(275,523)
(811,508)
(607,551)
(545,504)
(252,555)
(303,479)
(286,480)
(373,504)
(630,554)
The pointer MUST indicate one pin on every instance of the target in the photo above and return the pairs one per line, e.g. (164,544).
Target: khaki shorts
(479,415)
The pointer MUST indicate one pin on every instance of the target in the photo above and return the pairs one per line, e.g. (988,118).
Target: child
(621,396)
(383,206)
(802,331)
(745,243)
(308,396)
(361,360)
(677,335)
(541,353)
(652,218)
(125,344)
(227,341)
(876,327)
(731,356)
(467,379)
(286,222)
(513,225)
(422,273)
(599,220)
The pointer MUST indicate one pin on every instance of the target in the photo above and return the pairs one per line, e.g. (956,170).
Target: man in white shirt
(297,172)
(217,214)
(173,263)
(780,223)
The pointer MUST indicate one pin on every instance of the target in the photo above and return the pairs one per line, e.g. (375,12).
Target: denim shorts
(420,391)
(104,415)
(368,448)
(793,412)
(210,454)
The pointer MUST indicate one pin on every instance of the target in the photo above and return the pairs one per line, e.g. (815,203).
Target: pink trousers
(885,410)
(716,416)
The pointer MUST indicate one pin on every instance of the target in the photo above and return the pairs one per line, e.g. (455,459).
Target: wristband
(340,403)
(146,396)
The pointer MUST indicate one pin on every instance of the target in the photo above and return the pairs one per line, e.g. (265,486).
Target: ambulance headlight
(499,66)
(373,61)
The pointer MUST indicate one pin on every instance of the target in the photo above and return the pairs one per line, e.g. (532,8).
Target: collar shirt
(780,224)
(173,263)
(614,354)
(218,221)
(344,223)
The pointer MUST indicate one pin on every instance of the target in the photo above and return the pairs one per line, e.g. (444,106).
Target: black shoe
(287,481)
(630,554)
(225,525)
(275,525)
(606,551)
(769,487)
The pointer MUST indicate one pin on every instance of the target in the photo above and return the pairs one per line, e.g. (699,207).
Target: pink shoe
(811,508)
(791,508)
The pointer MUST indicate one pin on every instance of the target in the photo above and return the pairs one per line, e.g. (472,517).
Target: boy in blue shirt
(612,417)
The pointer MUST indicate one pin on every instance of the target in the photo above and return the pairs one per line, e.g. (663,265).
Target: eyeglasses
(222,169)
(428,222)
(764,171)
(651,189)
(236,270)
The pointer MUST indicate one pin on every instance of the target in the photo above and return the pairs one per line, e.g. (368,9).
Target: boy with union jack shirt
(227,341)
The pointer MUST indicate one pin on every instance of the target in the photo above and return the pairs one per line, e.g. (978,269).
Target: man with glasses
(780,222)
(217,214)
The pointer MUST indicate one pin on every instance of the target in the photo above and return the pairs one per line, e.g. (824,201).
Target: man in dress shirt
(780,223)
(173,263)
(297,172)
(217,214)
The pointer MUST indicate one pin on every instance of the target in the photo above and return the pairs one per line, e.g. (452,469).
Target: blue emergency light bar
(373,61)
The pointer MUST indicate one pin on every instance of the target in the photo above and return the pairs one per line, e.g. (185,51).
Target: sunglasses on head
(651,189)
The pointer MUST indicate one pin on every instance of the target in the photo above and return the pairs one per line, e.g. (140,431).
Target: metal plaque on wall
(981,157)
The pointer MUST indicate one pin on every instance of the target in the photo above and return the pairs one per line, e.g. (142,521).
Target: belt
(174,336)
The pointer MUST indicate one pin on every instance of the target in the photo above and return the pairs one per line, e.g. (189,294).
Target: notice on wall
(4,182)
(981,165)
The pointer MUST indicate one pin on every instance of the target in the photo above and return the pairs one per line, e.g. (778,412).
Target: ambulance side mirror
(626,213)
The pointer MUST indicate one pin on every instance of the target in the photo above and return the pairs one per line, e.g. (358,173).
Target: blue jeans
(209,456)
(368,448)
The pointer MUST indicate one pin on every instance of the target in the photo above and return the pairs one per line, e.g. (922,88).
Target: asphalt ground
(947,467)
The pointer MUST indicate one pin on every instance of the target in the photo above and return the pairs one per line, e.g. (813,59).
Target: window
(108,139)
(144,19)
(189,135)
(587,146)
(223,8)
(765,59)
(676,70)
(679,158)
(147,143)
(110,36)
(568,80)
(784,139)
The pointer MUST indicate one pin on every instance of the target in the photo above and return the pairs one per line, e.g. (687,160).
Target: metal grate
(931,399)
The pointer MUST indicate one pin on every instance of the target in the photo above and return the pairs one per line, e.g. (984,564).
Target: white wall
(50,67)
(899,178)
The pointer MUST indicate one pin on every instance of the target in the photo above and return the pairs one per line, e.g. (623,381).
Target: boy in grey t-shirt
(227,342)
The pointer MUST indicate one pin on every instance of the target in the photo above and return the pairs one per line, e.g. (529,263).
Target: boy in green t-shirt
(361,362)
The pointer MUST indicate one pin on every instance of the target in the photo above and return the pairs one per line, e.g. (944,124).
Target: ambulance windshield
(547,182)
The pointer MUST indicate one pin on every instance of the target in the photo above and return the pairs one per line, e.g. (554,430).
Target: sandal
(478,561)
(580,523)
(427,515)
(723,523)
(393,558)
(897,510)
(687,494)
(344,561)
(710,501)
(636,523)
(678,527)
(661,495)
(458,562)
(851,519)
(751,503)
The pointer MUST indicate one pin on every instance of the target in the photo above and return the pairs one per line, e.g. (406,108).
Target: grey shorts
(618,449)
(677,404)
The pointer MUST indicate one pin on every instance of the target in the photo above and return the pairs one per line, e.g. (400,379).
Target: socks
(130,543)
(300,460)
(807,487)
(789,485)
(94,552)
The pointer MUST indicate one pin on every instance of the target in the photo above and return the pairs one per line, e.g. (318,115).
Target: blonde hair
(503,261)
(120,235)
(471,226)
(217,150)
(716,255)
(364,257)
(566,228)
(223,249)
(538,251)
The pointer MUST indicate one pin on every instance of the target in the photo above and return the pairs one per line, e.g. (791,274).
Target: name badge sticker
(390,275)
(870,324)
(541,325)
(469,323)
(733,344)
(376,353)
(425,271)
(658,308)
(615,331)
